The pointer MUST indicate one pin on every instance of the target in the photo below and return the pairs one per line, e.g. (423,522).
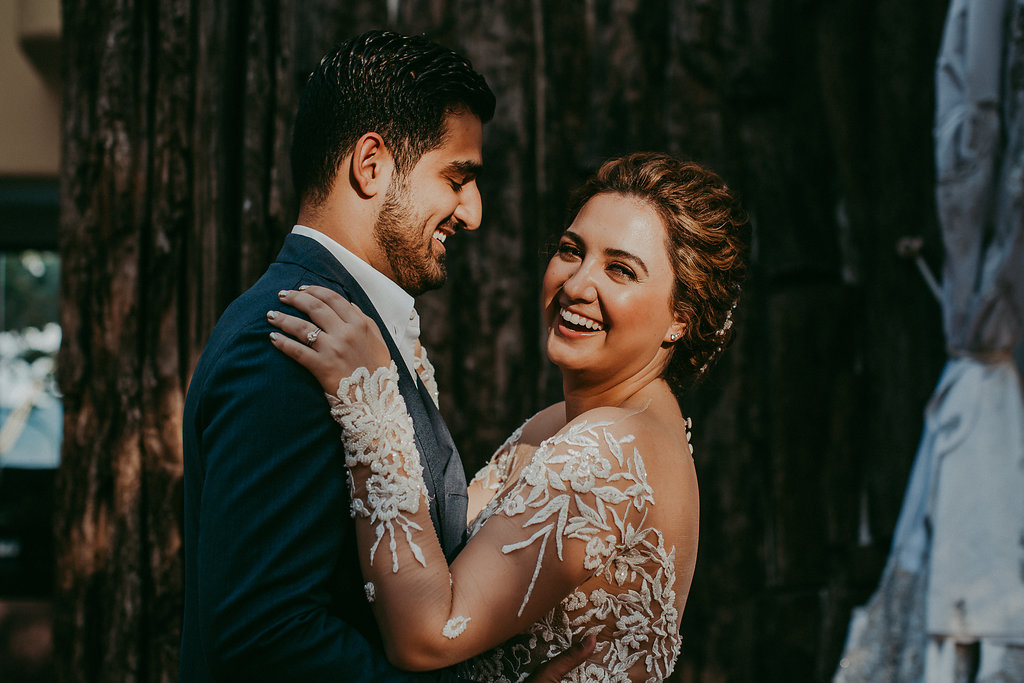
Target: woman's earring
(675,335)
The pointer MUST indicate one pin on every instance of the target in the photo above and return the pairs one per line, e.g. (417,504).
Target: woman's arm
(582,494)
(561,522)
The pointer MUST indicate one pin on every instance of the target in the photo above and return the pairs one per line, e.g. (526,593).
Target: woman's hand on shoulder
(337,339)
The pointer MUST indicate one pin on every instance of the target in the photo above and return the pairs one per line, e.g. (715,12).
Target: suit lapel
(437,452)
(452,480)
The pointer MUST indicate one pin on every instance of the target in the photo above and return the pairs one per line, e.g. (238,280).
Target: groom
(386,149)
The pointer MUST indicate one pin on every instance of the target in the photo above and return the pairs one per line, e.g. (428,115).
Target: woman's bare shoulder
(652,431)
(544,424)
(641,423)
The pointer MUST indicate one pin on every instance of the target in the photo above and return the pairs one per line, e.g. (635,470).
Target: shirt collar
(396,307)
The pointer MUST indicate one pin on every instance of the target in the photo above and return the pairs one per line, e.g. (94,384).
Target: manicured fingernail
(282,294)
(274,336)
(271,315)
(303,288)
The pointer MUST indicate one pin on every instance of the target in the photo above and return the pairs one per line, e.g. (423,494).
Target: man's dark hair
(401,87)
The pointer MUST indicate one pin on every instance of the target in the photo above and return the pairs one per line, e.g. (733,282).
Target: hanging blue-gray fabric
(955,574)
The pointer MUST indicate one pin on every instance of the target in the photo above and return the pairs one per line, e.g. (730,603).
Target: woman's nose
(580,284)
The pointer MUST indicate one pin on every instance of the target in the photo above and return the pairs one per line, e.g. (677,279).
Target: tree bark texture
(170,206)
(176,195)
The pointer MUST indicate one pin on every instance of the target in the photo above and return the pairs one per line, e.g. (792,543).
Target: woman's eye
(569,250)
(622,270)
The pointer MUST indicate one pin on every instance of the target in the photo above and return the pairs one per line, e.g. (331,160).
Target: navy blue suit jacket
(273,590)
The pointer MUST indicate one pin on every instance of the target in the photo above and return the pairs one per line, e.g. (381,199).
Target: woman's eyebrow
(614,253)
(627,256)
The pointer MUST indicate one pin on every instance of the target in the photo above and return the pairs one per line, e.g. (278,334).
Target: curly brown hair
(706,240)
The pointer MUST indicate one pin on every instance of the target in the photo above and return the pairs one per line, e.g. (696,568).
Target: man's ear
(372,165)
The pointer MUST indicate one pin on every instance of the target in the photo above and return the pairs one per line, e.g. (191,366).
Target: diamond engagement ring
(311,337)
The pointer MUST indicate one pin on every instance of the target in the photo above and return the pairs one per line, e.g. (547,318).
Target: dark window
(30,407)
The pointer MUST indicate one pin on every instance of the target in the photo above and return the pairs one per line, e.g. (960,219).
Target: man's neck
(394,305)
(350,225)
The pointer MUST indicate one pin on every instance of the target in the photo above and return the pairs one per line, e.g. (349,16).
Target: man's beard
(413,264)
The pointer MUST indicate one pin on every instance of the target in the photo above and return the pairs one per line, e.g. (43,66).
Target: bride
(585,520)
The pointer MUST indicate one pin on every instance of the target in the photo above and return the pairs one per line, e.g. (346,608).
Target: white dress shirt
(396,307)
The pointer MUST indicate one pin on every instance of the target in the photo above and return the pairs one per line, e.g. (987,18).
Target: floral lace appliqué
(454,627)
(377,433)
(575,463)
(590,484)
(494,474)
(425,369)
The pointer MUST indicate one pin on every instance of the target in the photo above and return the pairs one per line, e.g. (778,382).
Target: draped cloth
(950,604)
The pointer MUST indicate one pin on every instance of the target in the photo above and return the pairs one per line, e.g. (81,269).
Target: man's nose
(470,210)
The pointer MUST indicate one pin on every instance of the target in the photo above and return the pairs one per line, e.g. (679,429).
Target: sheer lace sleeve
(411,590)
(377,434)
(508,460)
(580,502)
(491,477)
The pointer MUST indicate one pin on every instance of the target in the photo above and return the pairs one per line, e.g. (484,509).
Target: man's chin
(438,275)
(436,282)
(425,283)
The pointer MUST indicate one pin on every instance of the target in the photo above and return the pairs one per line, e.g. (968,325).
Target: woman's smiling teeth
(576,319)
(440,236)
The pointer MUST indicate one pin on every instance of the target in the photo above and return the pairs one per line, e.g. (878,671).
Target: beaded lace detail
(378,433)
(493,475)
(588,484)
(454,627)
(425,369)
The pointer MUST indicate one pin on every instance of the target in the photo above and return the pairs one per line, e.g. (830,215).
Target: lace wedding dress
(581,501)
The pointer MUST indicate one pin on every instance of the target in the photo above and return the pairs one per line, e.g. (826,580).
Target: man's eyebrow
(614,253)
(468,168)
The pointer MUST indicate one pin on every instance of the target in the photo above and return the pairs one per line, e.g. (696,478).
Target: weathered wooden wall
(176,195)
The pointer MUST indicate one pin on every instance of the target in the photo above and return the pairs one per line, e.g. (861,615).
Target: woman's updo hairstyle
(706,242)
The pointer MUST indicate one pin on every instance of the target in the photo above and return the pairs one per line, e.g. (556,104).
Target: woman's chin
(565,357)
